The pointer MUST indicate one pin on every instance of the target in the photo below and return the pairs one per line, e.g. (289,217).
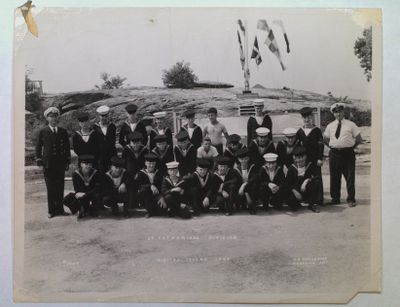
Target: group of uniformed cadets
(196,173)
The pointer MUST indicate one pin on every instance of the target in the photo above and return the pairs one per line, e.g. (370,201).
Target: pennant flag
(256,53)
(241,26)
(280,24)
(30,22)
(270,41)
(242,58)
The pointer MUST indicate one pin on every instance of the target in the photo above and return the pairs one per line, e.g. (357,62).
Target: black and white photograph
(209,155)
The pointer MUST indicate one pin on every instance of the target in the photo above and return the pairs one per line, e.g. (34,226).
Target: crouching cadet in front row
(227,181)
(302,182)
(87,182)
(148,181)
(248,191)
(272,178)
(115,189)
(173,191)
(200,188)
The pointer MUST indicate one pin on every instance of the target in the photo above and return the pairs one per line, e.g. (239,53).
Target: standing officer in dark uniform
(53,153)
(342,136)
(257,121)
(107,133)
(131,125)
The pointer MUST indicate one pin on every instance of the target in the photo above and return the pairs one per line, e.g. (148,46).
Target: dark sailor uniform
(256,151)
(147,198)
(285,153)
(163,158)
(53,153)
(198,189)
(107,147)
(197,136)
(252,125)
(111,195)
(314,144)
(125,130)
(174,199)
(92,187)
(251,177)
(155,132)
(232,155)
(294,180)
(230,183)
(134,162)
(186,159)
(89,147)
(277,178)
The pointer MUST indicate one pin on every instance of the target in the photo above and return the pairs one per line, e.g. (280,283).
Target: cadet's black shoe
(335,202)
(313,208)
(64,213)
(147,216)
(228,213)
(51,215)
(351,203)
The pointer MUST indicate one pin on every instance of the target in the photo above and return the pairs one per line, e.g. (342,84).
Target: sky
(76,45)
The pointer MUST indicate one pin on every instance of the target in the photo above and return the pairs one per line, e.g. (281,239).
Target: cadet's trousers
(266,195)
(54,178)
(174,201)
(310,195)
(342,162)
(113,199)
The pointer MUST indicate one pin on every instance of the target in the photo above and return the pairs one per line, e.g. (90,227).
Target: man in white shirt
(342,136)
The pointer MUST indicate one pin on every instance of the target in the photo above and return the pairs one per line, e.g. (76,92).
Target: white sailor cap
(51,110)
(337,105)
(258,102)
(103,110)
(262,131)
(290,131)
(160,114)
(171,165)
(270,157)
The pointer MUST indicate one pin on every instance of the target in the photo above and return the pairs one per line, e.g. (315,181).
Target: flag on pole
(270,41)
(280,24)
(242,58)
(256,53)
(241,26)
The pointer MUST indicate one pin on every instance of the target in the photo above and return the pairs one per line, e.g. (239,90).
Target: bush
(179,76)
(110,82)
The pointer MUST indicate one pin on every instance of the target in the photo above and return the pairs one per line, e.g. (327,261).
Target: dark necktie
(339,126)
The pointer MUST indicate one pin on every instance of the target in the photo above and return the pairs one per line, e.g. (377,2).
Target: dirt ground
(200,259)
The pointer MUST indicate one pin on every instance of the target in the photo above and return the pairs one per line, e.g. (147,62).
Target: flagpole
(246,72)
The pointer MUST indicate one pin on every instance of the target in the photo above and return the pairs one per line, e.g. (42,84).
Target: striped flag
(270,41)
(280,24)
(242,58)
(256,52)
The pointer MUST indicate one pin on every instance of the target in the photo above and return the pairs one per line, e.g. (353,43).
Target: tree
(363,50)
(110,82)
(179,76)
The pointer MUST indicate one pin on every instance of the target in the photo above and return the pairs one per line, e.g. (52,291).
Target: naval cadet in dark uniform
(86,140)
(258,120)
(107,133)
(131,125)
(53,153)
(193,130)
